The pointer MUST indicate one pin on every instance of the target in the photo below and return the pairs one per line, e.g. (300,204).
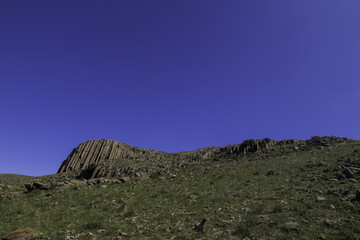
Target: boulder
(37,185)
(320,199)
(42,185)
(29,187)
(124,179)
(91,182)
(21,234)
(60,184)
(291,226)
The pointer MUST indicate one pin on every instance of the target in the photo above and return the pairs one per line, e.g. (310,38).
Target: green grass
(234,194)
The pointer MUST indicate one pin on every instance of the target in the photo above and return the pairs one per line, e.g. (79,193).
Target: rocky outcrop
(37,185)
(109,158)
(104,152)
(249,146)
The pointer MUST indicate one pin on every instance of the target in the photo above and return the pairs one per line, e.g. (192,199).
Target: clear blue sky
(173,75)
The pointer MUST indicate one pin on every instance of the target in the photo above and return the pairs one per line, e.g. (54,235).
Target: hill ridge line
(110,158)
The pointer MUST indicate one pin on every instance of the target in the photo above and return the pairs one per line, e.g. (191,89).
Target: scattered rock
(29,187)
(42,185)
(37,185)
(116,181)
(320,199)
(291,226)
(329,222)
(124,179)
(322,163)
(60,184)
(22,234)
(70,234)
(263,217)
(121,233)
(78,182)
(69,237)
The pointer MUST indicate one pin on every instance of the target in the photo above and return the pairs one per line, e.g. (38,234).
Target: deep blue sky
(173,75)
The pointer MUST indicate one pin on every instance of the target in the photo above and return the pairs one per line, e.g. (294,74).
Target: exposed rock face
(248,146)
(104,152)
(109,158)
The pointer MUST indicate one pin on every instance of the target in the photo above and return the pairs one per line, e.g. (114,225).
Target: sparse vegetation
(306,197)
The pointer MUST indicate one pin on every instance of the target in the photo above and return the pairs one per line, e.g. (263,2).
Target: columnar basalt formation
(109,158)
(102,151)
(104,157)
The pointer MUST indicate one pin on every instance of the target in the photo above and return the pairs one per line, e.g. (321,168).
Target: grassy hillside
(282,193)
(14,180)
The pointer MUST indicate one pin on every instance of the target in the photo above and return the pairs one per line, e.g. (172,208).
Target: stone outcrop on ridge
(109,158)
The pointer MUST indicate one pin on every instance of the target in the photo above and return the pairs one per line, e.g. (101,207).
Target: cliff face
(104,157)
(94,151)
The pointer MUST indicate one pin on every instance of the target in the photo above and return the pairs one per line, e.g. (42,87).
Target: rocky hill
(259,189)
(109,158)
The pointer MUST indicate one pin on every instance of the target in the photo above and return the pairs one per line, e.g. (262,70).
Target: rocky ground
(286,190)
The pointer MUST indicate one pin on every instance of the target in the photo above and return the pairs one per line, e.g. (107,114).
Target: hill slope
(290,190)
